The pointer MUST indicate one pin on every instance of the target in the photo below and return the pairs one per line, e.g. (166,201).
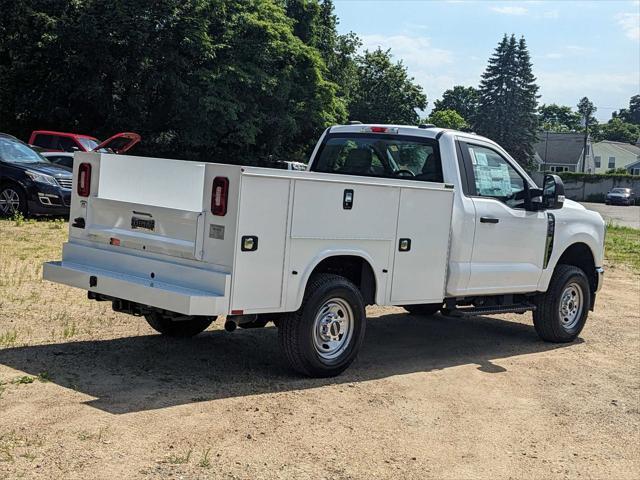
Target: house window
(612,162)
(597,159)
(635,171)
(558,169)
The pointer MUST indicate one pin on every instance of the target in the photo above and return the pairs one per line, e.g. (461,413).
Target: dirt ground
(90,394)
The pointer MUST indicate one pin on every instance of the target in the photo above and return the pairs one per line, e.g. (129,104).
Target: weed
(8,338)
(18,218)
(70,330)
(44,377)
(179,459)
(204,461)
(24,380)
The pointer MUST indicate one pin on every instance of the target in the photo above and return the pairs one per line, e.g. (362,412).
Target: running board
(491,310)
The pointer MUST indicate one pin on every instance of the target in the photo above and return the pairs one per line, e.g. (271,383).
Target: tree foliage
(558,118)
(508,100)
(618,131)
(208,79)
(448,119)
(463,100)
(631,114)
(385,92)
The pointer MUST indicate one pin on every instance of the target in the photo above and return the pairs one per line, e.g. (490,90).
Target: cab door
(509,242)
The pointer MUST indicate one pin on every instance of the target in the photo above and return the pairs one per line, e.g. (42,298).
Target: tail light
(84,179)
(378,129)
(219,196)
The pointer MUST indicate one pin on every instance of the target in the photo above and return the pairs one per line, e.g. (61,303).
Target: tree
(385,92)
(448,119)
(316,24)
(631,114)
(200,79)
(618,131)
(508,100)
(464,100)
(558,118)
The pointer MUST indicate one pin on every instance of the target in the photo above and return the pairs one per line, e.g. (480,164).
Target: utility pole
(584,147)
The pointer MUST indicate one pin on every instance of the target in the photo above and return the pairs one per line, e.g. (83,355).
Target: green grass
(622,245)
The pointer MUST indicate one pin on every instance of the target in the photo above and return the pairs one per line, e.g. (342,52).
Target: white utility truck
(420,217)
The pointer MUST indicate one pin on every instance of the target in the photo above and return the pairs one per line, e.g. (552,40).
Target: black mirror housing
(552,192)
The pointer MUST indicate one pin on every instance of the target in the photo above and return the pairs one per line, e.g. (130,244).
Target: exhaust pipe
(230,325)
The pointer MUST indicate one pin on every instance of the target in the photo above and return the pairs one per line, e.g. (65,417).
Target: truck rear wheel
(561,312)
(178,326)
(323,337)
(424,309)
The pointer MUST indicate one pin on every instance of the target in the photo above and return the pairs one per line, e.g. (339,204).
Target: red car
(74,142)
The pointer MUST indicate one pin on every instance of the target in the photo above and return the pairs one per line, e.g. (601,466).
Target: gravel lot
(619,215)
(90,394)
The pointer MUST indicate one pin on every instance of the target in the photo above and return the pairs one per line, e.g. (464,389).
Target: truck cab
(420,217)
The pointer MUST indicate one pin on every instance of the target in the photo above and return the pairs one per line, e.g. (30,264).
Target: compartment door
(422,246)
(258,274)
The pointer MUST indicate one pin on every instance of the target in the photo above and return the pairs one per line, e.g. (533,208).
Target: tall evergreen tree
(508,100)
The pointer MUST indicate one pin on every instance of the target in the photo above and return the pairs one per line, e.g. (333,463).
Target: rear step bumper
(124,285)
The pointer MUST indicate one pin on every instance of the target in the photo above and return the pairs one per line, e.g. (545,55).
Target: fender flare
(323,255)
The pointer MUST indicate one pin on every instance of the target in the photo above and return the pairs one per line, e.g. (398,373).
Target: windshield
(374,155)
(88,144)
(17,152)
(620,190)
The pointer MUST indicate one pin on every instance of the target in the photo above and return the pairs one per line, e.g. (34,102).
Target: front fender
(575,225)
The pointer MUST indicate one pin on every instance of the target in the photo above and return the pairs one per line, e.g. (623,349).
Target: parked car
(620,196)
(29,183)
(64,159)
(75,142)
(420,217)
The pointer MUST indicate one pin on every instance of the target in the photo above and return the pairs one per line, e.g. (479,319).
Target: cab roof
(427,131)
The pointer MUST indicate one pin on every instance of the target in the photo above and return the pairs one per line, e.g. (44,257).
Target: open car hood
(119,143)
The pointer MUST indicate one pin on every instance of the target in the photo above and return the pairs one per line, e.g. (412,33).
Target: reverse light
(219,196)
(84,179)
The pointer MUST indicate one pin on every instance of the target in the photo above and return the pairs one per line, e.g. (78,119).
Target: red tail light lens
(219,196)
(378,129)
(84,179)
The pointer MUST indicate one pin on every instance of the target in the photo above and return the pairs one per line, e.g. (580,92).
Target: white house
(608,155)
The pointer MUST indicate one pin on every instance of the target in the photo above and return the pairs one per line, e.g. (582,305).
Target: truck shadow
(151,372)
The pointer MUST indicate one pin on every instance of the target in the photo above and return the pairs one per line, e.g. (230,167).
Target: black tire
(12,190)
(296,330)
(171,327)
(424,309)
(548,319)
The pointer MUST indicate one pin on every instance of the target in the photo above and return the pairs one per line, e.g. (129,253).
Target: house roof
(559,148)
(628,147)
(633,165)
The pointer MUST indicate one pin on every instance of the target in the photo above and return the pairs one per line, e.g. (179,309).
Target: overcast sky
(577,47)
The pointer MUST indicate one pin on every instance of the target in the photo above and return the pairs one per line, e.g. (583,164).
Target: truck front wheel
(562,311)
(323,337)
(184,326)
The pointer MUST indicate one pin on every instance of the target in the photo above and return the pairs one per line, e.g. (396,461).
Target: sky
(578,48)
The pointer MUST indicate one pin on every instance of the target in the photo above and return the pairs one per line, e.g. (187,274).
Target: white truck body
(146,233)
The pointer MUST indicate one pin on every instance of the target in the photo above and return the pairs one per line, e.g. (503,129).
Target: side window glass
(43,141)
(67,144)
(495,177)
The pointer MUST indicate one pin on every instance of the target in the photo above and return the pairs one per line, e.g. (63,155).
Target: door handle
(489,220)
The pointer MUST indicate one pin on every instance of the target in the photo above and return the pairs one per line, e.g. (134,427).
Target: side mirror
(552,192)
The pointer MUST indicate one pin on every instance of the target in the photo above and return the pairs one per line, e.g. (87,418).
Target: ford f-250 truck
(419,217)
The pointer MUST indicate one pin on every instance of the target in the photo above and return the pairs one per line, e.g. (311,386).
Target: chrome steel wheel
(9,201)
(571,305)
(333,328)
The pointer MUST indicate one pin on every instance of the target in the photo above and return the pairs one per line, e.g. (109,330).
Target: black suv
(29,183)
